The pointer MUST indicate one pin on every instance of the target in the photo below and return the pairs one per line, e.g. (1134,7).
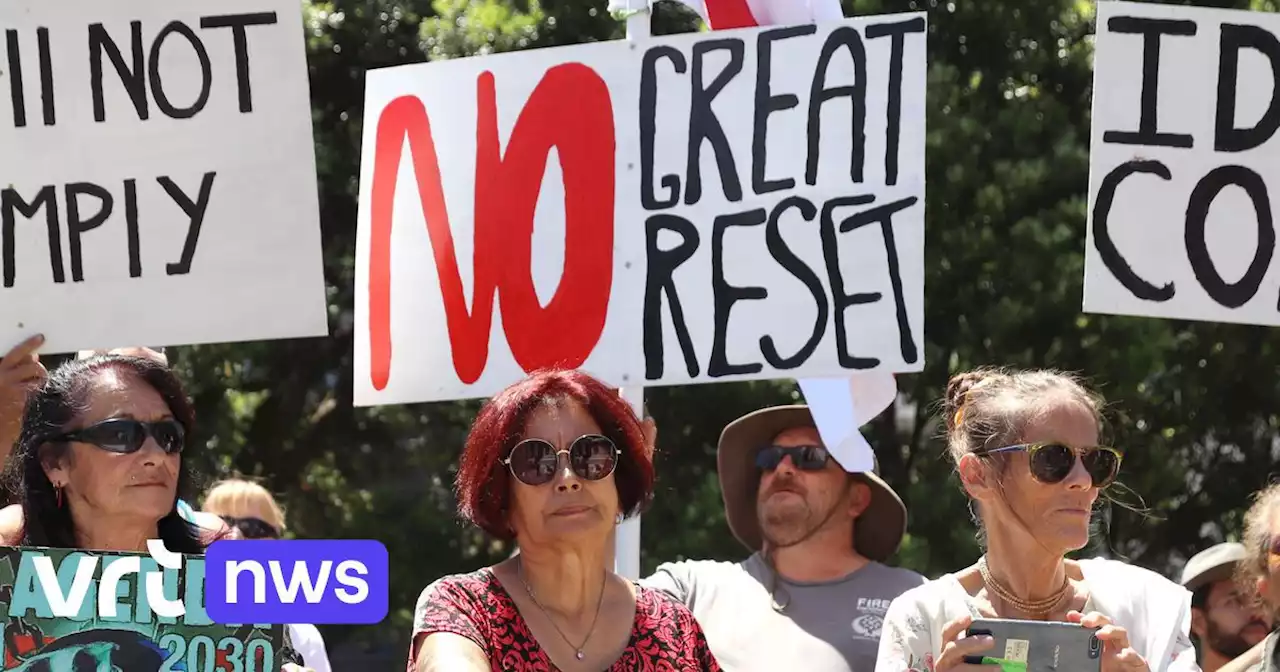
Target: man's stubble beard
(1229,645)
(789,524)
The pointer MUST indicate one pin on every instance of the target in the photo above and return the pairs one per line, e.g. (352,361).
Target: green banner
(136,639)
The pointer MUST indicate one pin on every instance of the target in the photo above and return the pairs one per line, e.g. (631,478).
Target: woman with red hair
(554,463)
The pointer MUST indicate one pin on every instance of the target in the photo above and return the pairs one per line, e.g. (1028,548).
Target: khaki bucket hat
(877,532)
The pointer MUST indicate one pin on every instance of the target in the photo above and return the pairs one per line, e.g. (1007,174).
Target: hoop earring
(57,495)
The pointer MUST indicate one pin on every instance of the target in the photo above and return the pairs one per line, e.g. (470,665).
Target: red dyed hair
(484,483)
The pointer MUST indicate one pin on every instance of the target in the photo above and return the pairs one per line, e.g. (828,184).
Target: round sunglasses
(805,458)
(536,461)
(126,435)
(1052,462)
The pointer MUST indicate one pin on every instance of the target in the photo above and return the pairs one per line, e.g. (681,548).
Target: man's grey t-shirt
(832,626)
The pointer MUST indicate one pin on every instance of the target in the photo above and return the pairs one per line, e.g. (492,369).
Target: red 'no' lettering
(727,14)
(570,110)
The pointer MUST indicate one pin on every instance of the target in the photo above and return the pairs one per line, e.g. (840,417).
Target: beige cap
(1212,564)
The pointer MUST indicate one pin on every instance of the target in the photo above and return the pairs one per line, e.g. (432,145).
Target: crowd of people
(556,461)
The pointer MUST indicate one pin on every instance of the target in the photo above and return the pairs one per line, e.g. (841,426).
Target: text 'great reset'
(736,205)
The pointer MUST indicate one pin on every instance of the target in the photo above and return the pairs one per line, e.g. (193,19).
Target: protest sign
(136,638)
(159,174)
(1182,164)
(738,205)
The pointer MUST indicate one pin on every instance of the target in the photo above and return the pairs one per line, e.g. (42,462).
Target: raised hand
(20,373)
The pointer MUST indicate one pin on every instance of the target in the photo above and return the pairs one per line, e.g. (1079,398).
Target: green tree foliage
(1008,132)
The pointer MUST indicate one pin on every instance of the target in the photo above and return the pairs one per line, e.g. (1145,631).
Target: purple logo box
(300,581)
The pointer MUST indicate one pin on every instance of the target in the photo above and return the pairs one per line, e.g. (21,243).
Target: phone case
(1038,646)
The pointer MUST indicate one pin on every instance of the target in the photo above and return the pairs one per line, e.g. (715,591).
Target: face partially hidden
(1229,624)
(569,508)
(795,505)
(1056,515)
(139,487)
(1268,585)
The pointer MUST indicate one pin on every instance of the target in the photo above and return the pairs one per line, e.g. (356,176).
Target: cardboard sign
(137,638)
(739,205)
(1183,157)
(159,174)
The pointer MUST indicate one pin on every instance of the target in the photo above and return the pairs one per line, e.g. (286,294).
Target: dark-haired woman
(98,464)
(554,462)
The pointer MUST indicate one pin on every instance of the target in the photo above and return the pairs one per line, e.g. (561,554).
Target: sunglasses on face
(125,435)
(1052,462)
(253,528)
(536,461)
(805,458)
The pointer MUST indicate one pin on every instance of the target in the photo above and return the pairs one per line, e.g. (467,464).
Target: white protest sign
(1182,161)
(160,179)
(745,204)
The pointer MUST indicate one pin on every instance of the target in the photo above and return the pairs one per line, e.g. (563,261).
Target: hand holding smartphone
(1037,646)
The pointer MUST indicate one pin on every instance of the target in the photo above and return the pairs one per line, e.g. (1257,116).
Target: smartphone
(1038,646)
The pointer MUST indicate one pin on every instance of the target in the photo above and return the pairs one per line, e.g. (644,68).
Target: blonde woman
(253,513)
(1027,448)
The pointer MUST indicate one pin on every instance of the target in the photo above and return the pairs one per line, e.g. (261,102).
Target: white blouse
(1155,611)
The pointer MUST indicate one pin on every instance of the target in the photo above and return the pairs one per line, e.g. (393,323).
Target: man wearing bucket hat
(814,592)
(1226,626)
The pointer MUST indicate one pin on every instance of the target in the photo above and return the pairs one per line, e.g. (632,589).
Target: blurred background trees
(1194,404)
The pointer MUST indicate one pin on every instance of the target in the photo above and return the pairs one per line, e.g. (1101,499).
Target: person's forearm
(10,429)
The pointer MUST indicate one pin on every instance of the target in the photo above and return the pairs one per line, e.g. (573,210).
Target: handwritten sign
(740,205)
(159,174)
(136,638)
(1182,164)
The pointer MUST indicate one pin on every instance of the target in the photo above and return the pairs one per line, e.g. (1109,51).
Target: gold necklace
(1034,608)
(577,650)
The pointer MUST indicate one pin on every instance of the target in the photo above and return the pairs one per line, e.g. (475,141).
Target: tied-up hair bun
(958,390)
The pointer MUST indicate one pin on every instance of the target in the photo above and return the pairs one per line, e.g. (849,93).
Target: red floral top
(664,638)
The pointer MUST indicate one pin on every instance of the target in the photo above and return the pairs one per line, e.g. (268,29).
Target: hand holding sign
(20,373)
(650,429)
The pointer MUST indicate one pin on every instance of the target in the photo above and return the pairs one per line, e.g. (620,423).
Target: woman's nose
(151,452)
(567,479)
(1078,478)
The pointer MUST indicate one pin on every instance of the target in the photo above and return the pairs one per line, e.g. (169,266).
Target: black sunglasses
(253,528)
(1052,462)
(535,461)
(126,435)
(806,458)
